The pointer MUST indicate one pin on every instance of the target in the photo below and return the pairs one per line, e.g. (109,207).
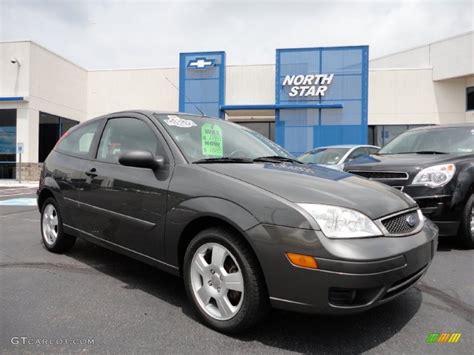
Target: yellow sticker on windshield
(211,140)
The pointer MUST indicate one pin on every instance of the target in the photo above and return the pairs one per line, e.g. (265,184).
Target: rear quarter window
(79,141)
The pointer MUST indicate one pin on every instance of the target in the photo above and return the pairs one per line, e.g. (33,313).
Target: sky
(103,34)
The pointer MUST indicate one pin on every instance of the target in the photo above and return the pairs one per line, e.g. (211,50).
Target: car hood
(401,162)
(314,184)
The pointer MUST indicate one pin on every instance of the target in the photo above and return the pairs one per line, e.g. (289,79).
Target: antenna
(187,99)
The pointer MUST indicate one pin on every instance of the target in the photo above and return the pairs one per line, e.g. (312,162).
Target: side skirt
(122,250)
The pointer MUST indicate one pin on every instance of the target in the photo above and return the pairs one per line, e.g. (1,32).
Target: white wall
(453,57)
(14,80)
(117,90)
(410,96)
(57,86)
(401,96)
(412,58)
(27,132)
(48,82)
(450,100)
(449,58)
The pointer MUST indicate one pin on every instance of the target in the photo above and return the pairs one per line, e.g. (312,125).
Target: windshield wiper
(223,160)
(430,152)
(277,159)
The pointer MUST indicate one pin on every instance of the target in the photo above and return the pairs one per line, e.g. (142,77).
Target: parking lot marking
(19,202)
(23,219)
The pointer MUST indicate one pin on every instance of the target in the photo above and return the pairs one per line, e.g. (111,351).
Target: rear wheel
(52,232)
(466,232)
(223,281)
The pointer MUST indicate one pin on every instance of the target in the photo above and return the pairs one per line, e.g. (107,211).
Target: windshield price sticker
(211,140)
(173,120)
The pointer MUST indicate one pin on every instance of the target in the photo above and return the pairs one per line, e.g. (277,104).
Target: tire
(52,234)
(228,310)
(466,234)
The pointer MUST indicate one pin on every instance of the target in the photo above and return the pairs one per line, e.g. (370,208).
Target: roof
(454,125)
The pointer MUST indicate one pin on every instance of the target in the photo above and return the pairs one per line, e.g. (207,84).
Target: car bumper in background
(340,285)
(437,205)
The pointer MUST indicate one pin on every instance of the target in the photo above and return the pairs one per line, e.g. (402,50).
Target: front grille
(381,175)
(403,223)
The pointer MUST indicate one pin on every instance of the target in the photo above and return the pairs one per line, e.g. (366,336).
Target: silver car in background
(335,156)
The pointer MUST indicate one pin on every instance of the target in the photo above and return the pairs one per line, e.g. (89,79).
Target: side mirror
(141,159)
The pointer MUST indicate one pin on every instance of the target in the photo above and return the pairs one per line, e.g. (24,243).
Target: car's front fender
(179,217)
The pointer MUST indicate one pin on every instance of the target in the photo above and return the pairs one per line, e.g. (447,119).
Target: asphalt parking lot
(114,304)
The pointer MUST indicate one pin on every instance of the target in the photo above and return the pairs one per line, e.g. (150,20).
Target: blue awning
(12,98)
(278,106)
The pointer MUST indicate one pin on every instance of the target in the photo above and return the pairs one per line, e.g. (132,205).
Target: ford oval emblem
(411,221)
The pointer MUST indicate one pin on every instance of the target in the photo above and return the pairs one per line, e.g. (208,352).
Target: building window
(371,138)
(51,128)
(7,144)
(470,98)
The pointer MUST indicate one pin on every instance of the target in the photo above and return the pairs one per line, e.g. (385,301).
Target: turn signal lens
(302,260)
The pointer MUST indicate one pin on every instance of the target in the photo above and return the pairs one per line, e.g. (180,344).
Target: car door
(126,205)
(66,165)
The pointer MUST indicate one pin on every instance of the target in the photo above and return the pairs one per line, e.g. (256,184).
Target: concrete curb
(16,184)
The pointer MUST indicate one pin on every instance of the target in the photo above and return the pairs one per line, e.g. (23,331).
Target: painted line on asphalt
(23,219)
(19,202)
(16,194)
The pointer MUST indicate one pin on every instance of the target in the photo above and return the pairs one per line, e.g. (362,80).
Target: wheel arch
(465,185)
(189,218)
(44,194)
(203,223)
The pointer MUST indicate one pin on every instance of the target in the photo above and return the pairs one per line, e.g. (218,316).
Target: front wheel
(466,232)
(52,232)
(223,281)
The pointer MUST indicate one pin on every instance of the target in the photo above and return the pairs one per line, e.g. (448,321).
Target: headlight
(340,222)
(435,176)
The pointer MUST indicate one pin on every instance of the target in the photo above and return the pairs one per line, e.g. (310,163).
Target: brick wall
(29,171)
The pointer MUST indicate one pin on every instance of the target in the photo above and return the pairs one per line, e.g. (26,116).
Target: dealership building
(309,97)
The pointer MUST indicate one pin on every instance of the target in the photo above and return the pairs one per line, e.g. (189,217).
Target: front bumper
(437,205)
(353,275)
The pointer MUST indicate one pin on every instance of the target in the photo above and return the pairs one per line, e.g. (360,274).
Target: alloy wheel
(50,224)
(472,221)
(217,281)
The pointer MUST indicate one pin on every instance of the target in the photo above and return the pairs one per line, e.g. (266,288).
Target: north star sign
(308,85)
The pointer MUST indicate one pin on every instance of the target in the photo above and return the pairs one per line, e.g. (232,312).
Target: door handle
(91,173)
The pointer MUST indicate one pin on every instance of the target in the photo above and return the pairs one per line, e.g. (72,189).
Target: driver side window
(122,135)
(359,152)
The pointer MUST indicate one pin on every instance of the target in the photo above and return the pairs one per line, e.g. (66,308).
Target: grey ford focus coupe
(243,222)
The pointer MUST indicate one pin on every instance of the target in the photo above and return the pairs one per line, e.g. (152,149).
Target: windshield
(326,156)
(446,140)
(210,138)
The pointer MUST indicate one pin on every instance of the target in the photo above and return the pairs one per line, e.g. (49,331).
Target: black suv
(435,166)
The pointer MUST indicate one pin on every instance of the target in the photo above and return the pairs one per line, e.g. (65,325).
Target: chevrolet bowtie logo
(201,63)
